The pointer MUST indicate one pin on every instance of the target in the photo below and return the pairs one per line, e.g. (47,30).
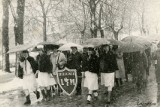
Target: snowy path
(125,96)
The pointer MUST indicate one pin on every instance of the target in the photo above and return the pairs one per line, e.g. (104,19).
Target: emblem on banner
(67,80)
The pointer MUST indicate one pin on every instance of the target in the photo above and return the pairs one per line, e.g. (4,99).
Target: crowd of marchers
(105,62)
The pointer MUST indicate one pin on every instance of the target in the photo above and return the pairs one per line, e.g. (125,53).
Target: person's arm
(145,60)
(63,59)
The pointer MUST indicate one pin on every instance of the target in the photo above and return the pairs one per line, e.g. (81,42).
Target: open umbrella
(19,48)
(47,43)
(68,46)
(138,40)
(96,41)
(128,47)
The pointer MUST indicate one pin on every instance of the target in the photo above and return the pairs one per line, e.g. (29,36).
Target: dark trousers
(78,89)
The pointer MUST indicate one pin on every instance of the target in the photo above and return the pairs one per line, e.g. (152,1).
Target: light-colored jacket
(57,59)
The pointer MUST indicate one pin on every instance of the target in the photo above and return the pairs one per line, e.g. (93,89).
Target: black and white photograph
(79,53)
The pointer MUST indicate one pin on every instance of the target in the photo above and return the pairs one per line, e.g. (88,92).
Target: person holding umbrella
(91,74)
(108,70)
(58,60)
(156,57)
(140,64)
(26,69)
(44,73)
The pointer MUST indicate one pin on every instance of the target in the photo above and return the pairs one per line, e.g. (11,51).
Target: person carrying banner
(58,60)
(91,74)
(26,69)
(74,62)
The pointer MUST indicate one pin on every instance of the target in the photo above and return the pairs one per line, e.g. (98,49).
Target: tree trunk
(44,28)
(18,27)
(116,34)
(93,29)
(102,33)
(19,21)
(5,36)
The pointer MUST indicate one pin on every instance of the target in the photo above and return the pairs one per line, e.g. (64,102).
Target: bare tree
(114,16)
(18,17)
(5,36)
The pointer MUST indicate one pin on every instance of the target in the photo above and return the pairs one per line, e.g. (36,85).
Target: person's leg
(117,80)
(121,81)
(28,101)
(95,93)
(37,94)
(48,93)
(43,91)
(109,94)
(89,96)
(78,89)
(52,90)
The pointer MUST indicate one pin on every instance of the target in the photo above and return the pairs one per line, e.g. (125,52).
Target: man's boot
(37,94)
(95,93)
(28,101)
(48,95)
(44,95)
(89,97)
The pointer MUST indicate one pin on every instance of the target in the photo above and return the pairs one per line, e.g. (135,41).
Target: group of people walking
(105,63)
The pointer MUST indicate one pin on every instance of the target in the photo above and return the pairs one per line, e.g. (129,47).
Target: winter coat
(84,62)
(93,64)
(156,56)
(74,62)
(34,66)
(44,63)
(108,60)
(139,65)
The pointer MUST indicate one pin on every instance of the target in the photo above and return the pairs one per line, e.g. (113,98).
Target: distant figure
(148,53)
(156,57)
(26,70)
(121,68)
(118,78)
(140,64)
(127,57)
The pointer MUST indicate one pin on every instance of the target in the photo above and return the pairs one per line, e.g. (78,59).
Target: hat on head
(90,48)
(73,47)
(115,47)
(51,47)
(25,51)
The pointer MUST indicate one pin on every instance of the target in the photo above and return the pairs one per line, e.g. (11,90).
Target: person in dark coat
(26,71)
(84,59)
(44,74)
(118,78)
(91,74)
(74,62)
(148,53)
(108,70)
(140,64)
(127,57)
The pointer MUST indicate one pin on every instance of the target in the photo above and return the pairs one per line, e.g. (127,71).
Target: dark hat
(104,45)
(25,51)
(90,48)
(51,47)
(73,47)
(115,47)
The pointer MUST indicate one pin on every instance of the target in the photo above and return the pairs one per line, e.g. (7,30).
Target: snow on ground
(16,83)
